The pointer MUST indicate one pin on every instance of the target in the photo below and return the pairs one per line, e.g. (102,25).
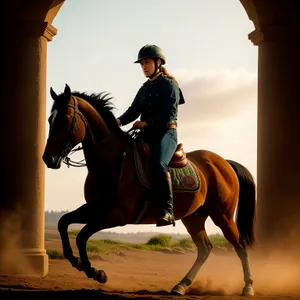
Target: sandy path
(151,275)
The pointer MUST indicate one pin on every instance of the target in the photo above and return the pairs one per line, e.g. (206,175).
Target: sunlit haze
(208,51)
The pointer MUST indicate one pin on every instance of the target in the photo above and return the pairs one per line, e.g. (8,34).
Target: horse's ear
(67,92)
(53,94)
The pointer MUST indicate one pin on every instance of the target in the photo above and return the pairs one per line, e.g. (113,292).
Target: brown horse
(115,196)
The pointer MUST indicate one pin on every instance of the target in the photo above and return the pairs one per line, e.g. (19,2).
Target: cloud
(220,113)
(216,95)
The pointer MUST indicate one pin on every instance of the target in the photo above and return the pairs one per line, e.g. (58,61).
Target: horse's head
(67,128)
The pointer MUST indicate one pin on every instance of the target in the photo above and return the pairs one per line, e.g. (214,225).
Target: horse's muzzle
(52,162)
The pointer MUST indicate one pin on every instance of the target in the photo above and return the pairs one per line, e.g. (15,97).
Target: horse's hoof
(78,265)
(248,291)
(100,276)
(178,290)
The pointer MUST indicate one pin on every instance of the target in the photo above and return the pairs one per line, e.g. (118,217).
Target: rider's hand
(119,122)
(139,124)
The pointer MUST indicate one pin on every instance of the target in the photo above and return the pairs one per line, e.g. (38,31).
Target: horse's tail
(246,209)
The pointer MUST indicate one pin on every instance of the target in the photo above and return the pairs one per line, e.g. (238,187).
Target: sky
(208,51)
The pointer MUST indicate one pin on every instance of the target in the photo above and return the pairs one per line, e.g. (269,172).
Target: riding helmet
(151,51)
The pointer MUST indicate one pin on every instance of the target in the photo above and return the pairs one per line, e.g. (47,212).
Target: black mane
(101,101)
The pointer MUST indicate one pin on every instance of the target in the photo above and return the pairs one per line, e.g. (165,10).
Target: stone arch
(28,29)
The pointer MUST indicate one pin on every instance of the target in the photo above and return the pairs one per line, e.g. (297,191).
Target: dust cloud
(274,274)
(12,261)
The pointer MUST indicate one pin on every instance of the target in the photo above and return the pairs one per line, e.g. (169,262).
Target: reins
(81,163)
(71,163)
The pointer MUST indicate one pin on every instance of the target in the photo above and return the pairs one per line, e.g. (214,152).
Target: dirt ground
(141,274)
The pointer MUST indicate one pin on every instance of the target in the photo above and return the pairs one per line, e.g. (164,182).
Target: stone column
(278,155)
(23,113)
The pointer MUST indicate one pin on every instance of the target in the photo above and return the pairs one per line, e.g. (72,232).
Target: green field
(154,243)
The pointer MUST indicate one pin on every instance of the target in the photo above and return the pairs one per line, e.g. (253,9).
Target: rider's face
(148,66)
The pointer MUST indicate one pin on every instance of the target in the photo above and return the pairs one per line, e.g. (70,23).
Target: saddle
(178,159)
(184,175)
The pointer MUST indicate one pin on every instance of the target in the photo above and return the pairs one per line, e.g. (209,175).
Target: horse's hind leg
(231,233)
(195,227)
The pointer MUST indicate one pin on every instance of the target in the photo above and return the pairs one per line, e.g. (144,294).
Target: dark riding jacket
(156,102)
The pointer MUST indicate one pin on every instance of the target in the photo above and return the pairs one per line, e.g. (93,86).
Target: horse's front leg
(81,240)
(108,220)
(79,215)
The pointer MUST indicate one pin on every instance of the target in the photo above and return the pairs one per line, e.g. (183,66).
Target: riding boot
(166,213)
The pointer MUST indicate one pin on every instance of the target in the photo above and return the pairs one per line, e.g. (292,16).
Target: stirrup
(165,220)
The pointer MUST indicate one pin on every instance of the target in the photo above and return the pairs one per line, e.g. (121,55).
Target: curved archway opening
(208,52)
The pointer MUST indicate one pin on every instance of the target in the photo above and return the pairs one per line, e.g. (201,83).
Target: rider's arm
(132,112)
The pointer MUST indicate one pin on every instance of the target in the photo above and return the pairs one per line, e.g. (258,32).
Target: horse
(114,194)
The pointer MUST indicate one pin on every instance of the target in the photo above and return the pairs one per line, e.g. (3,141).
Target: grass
(55,254)
(107,246)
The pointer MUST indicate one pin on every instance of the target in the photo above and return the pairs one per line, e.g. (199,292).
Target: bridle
(76,111)
(68,145)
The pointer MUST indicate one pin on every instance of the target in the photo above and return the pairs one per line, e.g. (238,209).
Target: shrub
(162,240)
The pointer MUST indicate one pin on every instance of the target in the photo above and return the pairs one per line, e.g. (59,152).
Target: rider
(156,102)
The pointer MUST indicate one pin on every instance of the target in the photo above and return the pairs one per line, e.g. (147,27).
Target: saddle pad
(184,179)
